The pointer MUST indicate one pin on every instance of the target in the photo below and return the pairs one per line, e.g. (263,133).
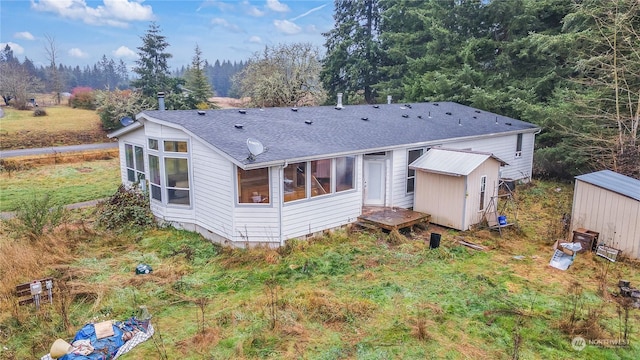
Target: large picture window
(253,186)
(412,156)
(134,156)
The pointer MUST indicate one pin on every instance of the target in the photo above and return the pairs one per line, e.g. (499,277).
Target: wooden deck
(392,218)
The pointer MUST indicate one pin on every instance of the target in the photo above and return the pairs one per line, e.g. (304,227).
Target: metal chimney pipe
(161,101)
(339,101)
(388,99)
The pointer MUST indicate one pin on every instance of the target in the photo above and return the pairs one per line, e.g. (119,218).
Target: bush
(36,216)
(39,112)
(83,98)
(114,105)
(125,208)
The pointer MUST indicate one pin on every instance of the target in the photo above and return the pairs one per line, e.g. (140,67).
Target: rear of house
(609,203)
(318,168)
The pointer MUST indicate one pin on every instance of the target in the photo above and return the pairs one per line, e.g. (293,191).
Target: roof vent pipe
(389,99)
(161,101)
(339,106)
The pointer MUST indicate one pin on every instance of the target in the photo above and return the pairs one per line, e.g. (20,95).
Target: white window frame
(483,191)
(138,168)
(519,145)
(410,177)
(155,147)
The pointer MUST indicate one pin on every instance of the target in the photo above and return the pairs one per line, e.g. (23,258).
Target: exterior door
(374,182)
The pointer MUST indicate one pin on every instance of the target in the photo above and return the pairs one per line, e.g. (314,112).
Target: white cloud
(77,53)
(277,6)
(17,49)
(214,3)
(24,35)
(255,12)
(112,13)
(308,12)
(225,24)
(287,27)
(124,52)
(255,39)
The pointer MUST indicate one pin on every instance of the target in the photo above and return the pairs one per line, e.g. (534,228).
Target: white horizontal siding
(213,189)
(504,147)
(399,195)
(163,132)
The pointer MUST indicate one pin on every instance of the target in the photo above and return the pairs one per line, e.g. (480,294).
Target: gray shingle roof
(613,181)
(353,129)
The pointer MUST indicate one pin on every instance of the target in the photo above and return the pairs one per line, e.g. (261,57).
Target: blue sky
(84,30)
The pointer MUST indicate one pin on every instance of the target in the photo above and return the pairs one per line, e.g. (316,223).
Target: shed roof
(612,181)
(324,131)
(451,162)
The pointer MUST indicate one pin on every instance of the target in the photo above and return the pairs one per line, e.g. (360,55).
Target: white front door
(374,181)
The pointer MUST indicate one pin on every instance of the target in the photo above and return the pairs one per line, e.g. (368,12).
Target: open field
(66,183)
(62,126)
(347,295)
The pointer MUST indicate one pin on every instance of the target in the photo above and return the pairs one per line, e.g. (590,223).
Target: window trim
(408,177)
(237,189)
(482,192)
(140,175)
(334,180)
(519,145)
(162,156)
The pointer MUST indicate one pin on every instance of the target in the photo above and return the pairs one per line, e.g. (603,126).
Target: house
(609,203)
(455,186)
(262,176)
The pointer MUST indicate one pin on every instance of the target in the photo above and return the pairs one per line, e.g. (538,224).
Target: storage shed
(609,203)
(455,186)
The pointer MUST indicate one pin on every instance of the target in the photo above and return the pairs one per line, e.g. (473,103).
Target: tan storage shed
(609,203)
(455,186)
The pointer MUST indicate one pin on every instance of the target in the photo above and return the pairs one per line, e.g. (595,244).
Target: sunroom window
(177,170)
(321,177)
(295,181)
(253,186)
(344,173)
(134,156)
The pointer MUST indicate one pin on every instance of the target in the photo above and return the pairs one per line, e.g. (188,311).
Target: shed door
(374,181)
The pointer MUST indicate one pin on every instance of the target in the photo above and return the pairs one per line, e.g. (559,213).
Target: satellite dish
(126,121)
(255,147)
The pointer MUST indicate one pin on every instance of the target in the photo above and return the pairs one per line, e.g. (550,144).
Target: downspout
(281,201)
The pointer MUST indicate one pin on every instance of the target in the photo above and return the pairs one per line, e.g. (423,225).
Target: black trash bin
(434,241)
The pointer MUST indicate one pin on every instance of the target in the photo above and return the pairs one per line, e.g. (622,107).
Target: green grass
(66,183)
(343,296)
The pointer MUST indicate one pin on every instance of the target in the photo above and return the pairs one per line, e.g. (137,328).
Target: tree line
(571,67)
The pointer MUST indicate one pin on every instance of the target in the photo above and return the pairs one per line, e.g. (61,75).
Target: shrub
(39,112)
(114,105)
(36,216)
(83,98)
(126,208)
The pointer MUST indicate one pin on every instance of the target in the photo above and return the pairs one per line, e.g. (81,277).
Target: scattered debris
(519,257)
(627,291)
(143,269)
(462,241)
(608,252)
(564,254)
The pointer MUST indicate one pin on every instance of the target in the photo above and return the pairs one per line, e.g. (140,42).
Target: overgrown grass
(61,126)
(66,183)
(348,295)
(59,118)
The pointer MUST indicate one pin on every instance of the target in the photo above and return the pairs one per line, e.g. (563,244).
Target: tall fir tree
(196,79)
(353,54)
(152,67)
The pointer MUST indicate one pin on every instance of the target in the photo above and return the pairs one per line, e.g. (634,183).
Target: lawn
(66,183)
(348,295)
(62,126)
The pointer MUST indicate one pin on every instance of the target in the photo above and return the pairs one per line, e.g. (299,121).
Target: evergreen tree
(196,79)
(152,68)
(353,54)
